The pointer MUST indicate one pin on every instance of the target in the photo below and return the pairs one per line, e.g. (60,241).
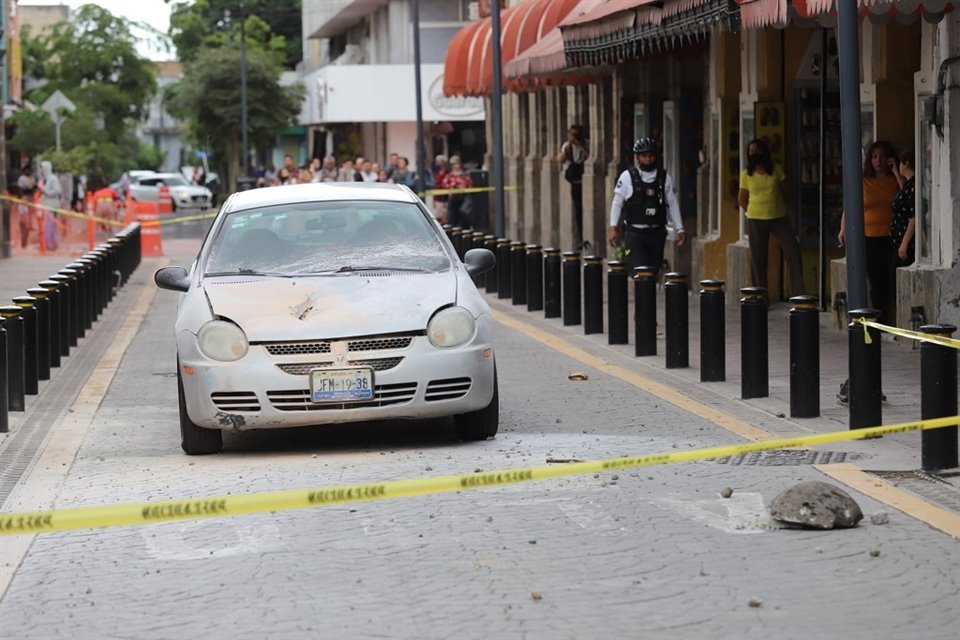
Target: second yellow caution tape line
(943,341)
(218,506)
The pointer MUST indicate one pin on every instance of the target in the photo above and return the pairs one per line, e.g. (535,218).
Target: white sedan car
(328,303)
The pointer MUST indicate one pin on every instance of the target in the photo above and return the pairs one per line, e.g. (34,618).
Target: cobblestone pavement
(654,552)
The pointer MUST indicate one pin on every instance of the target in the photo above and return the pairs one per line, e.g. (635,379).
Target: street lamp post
(421,160)
(243,91)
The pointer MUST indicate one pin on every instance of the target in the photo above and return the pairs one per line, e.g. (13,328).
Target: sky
(154,12)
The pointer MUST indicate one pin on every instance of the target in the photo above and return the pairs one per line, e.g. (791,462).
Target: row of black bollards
(38,330)
(548,280)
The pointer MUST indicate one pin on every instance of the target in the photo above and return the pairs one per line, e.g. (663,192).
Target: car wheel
(194,440)
(482,423)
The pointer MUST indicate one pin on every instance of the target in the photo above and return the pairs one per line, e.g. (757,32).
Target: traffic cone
(151,237)
(166,202)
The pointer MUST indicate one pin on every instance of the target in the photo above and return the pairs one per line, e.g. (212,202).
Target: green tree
(271,25)
(208,100)
(93,60)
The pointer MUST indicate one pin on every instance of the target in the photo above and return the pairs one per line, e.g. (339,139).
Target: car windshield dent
(319,238)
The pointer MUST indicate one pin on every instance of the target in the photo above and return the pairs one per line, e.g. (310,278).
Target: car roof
(285,194)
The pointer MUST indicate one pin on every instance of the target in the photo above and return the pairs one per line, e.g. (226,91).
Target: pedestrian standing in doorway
(573,154)
(761,196)
(903,226)
(643,200)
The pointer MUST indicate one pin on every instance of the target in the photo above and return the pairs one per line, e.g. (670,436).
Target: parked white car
(186,197)
(327,303)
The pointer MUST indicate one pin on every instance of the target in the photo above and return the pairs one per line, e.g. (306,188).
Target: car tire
(482,423)
(195,441)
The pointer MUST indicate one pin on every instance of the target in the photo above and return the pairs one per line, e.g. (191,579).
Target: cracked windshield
(327,237)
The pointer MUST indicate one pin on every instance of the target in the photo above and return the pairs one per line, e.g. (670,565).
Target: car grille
(383,395)
(383,343)
(448,389)
(381,364)
(199,198)
(235,401)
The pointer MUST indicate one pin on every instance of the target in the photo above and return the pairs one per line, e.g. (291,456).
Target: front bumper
(420,381)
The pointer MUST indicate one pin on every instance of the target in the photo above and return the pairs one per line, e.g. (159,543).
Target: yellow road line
(882,491)
(739,427)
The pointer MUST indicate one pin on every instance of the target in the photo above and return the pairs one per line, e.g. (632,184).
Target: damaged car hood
(269,309)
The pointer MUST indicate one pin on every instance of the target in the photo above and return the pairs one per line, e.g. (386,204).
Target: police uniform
(646,200)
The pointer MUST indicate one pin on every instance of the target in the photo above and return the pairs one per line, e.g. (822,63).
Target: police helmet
(645,145)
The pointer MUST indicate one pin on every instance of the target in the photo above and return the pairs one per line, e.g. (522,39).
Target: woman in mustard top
(761,196)
(880,187)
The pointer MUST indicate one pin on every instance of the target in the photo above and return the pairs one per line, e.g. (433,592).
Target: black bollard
(938,399)
(534,277)
(617,302)
(66,328)
(448,230)
(713,340)
(571,288)
(490,242)
(754,358)
(89,275)
(477,243)
(4,404)
(865,383)
(15,360)
(503,268)
(551,283)
(592,294)
(677,320)
(456,234)
(805,357)
(78,298)
(518,272)
(39,295)
(30,358)
(645,310)
(56,315)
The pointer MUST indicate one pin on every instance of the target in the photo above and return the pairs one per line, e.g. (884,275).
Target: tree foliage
(272,26)
(208,99)
(93,60)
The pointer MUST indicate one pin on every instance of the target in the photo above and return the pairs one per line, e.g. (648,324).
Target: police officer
(645,196)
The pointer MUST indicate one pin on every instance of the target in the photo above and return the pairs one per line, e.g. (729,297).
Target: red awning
(457,59)
(521,26)
(761,13)
(547,55)
(608,17)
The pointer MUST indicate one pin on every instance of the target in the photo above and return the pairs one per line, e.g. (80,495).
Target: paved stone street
(652,552)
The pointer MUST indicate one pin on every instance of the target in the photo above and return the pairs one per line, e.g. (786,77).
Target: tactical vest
(648,204)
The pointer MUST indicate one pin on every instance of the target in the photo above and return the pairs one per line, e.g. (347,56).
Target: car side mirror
(479,261)
(172,278)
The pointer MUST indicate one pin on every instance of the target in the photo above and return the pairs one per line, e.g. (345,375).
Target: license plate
(341,385)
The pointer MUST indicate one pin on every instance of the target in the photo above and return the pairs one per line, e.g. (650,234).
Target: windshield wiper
(350,268)
(242,272)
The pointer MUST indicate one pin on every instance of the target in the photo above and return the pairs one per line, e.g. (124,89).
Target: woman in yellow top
(880,187)
(761,196)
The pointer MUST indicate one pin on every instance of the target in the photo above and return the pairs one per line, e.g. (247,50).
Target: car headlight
(451,327)
(222,341)
(183,195)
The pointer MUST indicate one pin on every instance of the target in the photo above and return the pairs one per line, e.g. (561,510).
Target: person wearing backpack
(572,156)
(643,200)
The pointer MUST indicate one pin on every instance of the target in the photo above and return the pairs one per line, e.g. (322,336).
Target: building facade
(705,77)
(360,78)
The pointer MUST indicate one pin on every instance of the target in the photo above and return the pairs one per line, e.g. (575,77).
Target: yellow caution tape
(166,219)
(450,192)
(941,340)
(217,506)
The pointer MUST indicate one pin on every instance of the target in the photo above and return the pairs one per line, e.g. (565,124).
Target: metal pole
(497,120)
(503,269)
(534,277)
(518,272)
(848,38)
(938,399)
(822,244)
(617,302)
(551,283)
(593,294)
(16,375)
(421,155)
(676,319)
(754,354)
(645,310)
(243,90)
(571,287)
(5,208)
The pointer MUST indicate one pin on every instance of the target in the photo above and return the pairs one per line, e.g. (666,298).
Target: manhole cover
(924,484)
(786,457)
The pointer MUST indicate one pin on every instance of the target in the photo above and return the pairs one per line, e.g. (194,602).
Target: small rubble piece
(726,493)
(874,553)
(755,602)
(880,517)
(816,505)
(536,595)
(578,377)
(562,460)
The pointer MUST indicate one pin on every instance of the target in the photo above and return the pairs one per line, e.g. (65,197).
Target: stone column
(517,125)
(550,179)
(535,127)
(595,172)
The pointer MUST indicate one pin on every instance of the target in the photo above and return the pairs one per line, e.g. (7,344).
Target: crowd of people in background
(446,175)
